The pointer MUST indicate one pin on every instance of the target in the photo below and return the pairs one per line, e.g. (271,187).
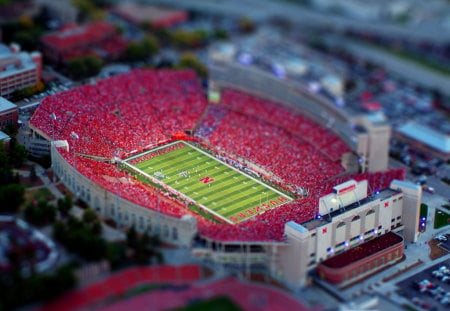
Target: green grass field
(215,186)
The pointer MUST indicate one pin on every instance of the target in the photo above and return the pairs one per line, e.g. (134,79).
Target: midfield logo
(206,180)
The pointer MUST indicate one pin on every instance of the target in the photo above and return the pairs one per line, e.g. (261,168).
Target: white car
(441,238)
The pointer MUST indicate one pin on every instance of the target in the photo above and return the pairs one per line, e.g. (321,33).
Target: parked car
(441,238)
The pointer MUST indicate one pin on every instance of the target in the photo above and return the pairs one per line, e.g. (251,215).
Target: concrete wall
(179,231)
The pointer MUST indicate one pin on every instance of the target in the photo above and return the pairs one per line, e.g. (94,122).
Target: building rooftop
(426,135)
(3,136)
(73,35)
(12,61)
(6,104)
(324,219)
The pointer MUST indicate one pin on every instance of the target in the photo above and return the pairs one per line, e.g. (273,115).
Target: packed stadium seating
(127,113)
(303,128)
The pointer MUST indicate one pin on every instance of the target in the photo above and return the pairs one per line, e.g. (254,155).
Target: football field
(215,186)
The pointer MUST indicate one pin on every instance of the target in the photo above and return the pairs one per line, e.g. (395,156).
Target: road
(404,68)
(264,9)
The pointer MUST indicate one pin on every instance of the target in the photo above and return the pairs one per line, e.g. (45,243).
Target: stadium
(241,179)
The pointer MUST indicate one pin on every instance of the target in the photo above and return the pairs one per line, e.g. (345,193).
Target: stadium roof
(426,135)
(74,35)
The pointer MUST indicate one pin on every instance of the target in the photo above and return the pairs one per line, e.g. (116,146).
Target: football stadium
(240,179)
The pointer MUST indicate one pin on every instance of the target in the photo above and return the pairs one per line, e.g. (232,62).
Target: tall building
(18,69)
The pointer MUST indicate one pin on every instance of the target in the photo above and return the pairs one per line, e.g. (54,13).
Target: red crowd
(126,113)
(123,113)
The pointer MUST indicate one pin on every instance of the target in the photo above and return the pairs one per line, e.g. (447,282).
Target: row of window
(129,219)
(377,262)
(125,218)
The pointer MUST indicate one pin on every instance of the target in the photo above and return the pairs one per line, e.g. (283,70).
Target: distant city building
(8,113)
(156,17)
(61,10)
(426,137)
(18,69)
(99,38)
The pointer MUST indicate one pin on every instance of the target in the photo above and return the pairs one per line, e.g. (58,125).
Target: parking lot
(429,289)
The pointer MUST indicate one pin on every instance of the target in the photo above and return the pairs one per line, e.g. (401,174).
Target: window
(175,233)
(356,218)
(370,212)
(341,224)
(340,244)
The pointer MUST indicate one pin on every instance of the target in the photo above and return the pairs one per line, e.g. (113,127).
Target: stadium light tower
(53,116)
(75,137)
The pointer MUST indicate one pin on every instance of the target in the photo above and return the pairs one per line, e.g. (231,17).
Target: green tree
(91,221)
(221,34)
(93,65)
(33,175)
(77,68)
(246,25)
(65,205)
(188,39)
(83,67)
(17,153)
(40,214)
(5,167)
(189,60)
(132,238)
(11,197)
(115,253)
(138,51)
(11,129)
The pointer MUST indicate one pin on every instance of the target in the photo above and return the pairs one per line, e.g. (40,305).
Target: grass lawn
(220,303)
(441,219)
(215,186)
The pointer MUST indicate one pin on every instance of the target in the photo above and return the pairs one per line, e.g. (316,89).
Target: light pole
(53,116)
(75,137)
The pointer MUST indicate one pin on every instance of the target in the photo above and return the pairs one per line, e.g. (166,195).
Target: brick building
(18,69)
(99,38)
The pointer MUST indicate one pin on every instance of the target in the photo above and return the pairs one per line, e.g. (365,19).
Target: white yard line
(177,192)
(240,172)
(150,151)
(189,198)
